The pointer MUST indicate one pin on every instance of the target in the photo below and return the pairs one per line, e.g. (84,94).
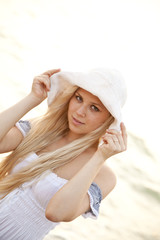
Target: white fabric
(107,84)
(22,212)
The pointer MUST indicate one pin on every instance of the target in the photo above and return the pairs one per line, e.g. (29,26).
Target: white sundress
(22,212)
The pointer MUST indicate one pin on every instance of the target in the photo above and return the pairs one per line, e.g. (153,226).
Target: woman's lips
(76,121)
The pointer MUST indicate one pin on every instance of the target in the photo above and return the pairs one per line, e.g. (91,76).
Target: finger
(46,82)
(113,142)
(52,71)
(124,134)
(117,136)
(43,79)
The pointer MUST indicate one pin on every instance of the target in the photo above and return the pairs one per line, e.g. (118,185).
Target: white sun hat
(107,84)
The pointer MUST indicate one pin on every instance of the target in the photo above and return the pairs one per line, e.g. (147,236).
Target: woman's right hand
(41,85)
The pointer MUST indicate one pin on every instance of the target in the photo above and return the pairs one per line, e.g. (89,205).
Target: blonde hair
(49,128)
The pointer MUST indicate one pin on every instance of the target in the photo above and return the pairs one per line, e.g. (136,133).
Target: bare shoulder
(106,180)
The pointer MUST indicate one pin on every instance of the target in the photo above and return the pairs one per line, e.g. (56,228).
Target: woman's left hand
(113,142)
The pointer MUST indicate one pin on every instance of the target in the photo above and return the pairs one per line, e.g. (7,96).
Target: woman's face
(86,112)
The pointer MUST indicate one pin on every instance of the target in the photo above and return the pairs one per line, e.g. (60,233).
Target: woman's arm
(8,118)
(72,199)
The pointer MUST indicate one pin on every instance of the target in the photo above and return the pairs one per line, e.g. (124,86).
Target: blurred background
(78,35)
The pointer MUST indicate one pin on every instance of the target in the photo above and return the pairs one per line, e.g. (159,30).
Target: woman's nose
(81,111)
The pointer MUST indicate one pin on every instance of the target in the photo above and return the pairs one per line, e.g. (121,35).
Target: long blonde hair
(46,129)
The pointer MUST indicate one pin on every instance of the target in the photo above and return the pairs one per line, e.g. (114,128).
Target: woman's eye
(78,98)
(94,108)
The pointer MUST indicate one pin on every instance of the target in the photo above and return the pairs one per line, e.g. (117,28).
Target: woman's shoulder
(106,179)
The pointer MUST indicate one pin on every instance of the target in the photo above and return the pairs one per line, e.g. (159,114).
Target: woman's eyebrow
(78,94)
(100,105)
(93,103)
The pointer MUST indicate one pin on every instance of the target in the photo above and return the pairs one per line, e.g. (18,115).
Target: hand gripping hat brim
(107,84)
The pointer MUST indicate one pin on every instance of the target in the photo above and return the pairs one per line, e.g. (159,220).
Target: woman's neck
(70,137)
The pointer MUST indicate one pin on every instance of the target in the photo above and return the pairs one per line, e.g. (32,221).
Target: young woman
(55,171)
